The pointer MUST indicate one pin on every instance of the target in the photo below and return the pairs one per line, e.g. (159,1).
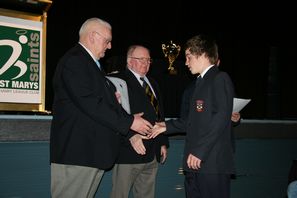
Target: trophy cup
(171,51)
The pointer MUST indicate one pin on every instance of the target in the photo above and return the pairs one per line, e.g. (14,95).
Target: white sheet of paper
(239,104)
(121,87)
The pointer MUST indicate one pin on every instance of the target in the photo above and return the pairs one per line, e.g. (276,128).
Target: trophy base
(172,71)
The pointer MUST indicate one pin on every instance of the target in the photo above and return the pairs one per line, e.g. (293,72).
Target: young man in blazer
(208,155)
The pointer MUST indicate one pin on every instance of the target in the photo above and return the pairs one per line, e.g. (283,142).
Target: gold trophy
(171,51)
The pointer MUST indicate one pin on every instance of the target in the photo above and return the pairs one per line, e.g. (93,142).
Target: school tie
(151,97)
(198,80)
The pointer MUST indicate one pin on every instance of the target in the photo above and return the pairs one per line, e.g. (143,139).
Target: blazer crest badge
(199,105)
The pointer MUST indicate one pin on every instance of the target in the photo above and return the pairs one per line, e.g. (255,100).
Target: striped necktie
(151,97)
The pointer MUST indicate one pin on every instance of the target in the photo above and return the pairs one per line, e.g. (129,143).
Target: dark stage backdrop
(257,47)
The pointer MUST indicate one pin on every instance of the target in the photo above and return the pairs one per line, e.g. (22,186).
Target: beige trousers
(140,177)
(74,181)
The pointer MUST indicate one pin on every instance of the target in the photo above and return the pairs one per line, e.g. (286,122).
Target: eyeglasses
(143,60)
(107,41)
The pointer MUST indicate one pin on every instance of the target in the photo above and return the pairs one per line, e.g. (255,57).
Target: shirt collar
(138,76)
(89,52)
(204,72)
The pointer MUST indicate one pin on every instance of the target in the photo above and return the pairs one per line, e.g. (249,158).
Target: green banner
(20,58)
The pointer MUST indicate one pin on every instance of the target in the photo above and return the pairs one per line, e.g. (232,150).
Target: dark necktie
(151,97)
(198,80)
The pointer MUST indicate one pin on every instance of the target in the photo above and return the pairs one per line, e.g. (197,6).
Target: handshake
(154,131)
(151,132)
(145,128)
(159,127)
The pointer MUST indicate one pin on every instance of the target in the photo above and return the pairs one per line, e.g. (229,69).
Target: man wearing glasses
(87,118)
(137,164)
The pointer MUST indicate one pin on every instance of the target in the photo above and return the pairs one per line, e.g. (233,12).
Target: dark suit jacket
(139,102)
(87,118)
(208,125)
(185,105)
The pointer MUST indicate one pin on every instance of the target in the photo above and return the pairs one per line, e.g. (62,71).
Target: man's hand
(118,96)
(141,125)
(137,143)
(160,127)
(163,154)
(193,162)
(235,117)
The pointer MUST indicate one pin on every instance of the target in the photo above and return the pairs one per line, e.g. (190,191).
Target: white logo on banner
(13,59)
